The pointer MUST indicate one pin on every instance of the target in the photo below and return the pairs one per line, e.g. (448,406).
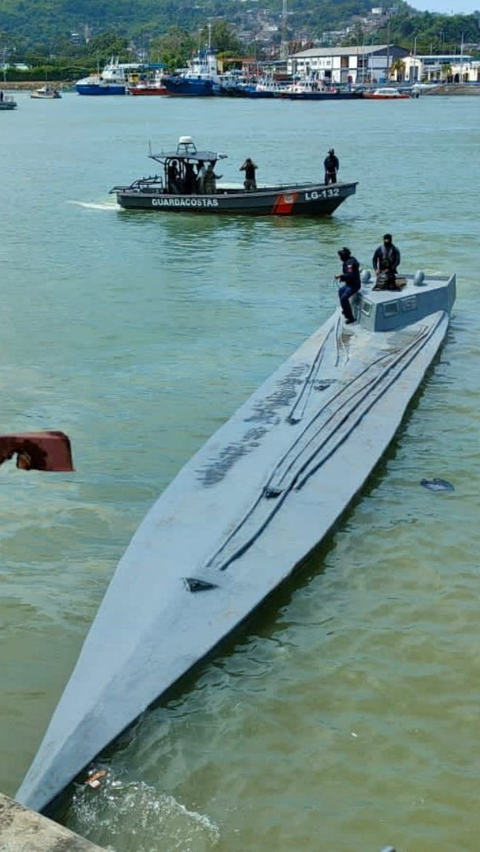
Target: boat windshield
(184,173)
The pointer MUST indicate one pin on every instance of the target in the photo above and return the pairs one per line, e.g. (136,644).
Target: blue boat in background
(199,78)
(113,80)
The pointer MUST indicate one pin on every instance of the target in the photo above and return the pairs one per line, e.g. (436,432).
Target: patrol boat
(157,192)
(7,103)
(242,514)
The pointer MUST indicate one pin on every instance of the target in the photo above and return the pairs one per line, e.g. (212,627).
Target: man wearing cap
(350,275)
(331,165)
(385,261)
(249,167)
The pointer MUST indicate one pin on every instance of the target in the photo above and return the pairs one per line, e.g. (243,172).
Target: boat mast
(284,44)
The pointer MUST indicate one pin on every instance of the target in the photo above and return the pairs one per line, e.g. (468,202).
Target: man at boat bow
(331,165)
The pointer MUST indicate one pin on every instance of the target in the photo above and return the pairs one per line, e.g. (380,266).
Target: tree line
(62,59)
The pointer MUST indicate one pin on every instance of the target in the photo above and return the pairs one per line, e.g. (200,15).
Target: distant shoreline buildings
(360,65)
(346,65)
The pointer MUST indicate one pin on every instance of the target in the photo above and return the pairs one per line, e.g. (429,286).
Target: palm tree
(446,72)
(397,68)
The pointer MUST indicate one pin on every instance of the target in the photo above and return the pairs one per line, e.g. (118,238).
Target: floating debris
(437,484)
(93,779)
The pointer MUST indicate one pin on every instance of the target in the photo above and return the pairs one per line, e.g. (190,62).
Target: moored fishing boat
(199,79)
(150,87)
(46,93)
(266,87)
(113,79)
(242,514)
(184,196)
(311,89)
(386,94)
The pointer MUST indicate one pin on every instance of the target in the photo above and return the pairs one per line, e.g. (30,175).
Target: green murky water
(346,717)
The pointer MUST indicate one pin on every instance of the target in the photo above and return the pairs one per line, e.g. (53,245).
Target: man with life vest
(385,262)
(350,275)
(210,180)
(173,177)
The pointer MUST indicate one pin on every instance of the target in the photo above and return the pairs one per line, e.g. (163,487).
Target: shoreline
(22,829)
(447,89)
(14,86)
(453,89)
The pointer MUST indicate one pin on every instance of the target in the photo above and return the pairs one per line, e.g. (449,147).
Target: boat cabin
(181,168)
(390,310)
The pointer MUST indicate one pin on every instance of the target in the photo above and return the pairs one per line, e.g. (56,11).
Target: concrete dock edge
(22,830)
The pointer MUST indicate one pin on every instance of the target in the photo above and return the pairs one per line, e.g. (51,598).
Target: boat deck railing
(155,185)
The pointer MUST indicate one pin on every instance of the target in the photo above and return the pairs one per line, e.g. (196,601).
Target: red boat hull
(148,90)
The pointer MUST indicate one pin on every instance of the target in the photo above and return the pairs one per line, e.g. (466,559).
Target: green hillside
(40,31)
(40,21)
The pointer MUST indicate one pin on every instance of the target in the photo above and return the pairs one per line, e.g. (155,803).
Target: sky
(457,7)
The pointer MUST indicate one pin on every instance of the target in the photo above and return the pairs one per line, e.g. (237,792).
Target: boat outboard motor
(365,276)
(419,278)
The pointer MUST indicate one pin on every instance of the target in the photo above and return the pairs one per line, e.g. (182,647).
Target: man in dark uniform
(173,177)
(350,275)
(249,167)
(331,165)
(385,262)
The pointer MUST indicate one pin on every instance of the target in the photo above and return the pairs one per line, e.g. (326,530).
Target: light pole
(388,51)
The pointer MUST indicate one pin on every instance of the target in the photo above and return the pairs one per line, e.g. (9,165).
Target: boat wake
(119,811)
(90,205)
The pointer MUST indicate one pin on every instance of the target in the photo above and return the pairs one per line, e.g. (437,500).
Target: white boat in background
(46,93)
(242,514)
(312,89)
(425,88)
(266,87)
(386,94)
